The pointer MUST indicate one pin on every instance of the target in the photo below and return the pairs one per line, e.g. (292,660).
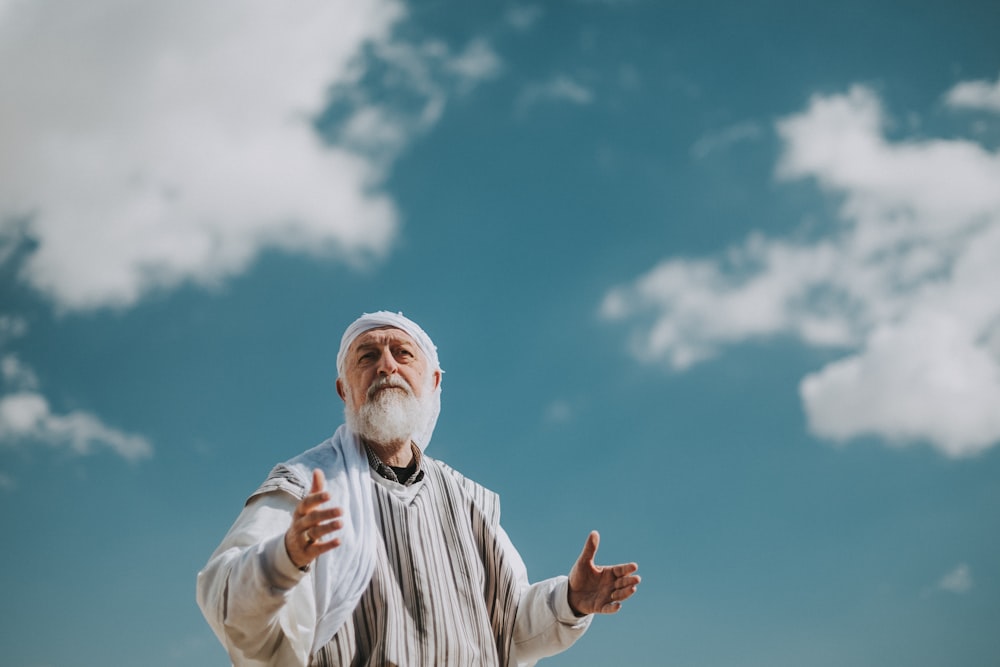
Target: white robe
(265,610)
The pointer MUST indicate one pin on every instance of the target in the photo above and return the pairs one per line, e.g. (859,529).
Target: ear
(340,390)
(437,379)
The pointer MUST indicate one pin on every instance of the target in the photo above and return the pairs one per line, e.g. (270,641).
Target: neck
(394,454)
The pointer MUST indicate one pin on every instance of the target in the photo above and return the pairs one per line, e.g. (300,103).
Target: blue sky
(719,280)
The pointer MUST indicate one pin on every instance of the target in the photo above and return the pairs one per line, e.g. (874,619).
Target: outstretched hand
(599,589)
(310,524)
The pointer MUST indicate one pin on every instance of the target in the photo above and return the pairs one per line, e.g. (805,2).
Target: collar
(388,473)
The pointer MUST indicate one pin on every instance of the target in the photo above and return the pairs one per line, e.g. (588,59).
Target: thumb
(318,482)
(590,547)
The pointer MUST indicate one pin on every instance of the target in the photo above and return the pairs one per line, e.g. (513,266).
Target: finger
(624,582)
(310,502)
(316,517)
(319,548)
(629,583)
(623,594)
(623,569)
(320,531)
(303,554)
(318,482)
(590,547)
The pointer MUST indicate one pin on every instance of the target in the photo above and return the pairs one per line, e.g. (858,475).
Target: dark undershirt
(406,476)
(403,474)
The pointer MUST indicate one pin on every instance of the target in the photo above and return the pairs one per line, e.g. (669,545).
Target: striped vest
(442,592)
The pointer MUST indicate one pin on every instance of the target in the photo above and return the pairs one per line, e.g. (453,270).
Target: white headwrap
(382,319)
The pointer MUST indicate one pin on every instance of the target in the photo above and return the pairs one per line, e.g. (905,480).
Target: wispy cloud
(560,88)
(722,139)
(477,62)
(559,411)
(401,90)
(27,417)
(523,17)
(11,327)
(17,374)
(958,580)
(609,3)
(163,143)
(904,284)
(984,95)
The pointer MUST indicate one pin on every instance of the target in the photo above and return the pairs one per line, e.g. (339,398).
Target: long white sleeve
(253,596)
(545,623)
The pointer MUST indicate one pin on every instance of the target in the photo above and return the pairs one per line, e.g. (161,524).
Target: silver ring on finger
(309,538)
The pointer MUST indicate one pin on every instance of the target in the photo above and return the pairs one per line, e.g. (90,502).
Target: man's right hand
(310,524)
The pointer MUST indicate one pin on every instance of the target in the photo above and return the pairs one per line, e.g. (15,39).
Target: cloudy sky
(720,282)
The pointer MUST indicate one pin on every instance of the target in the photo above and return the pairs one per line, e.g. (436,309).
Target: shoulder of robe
(281,478)
(487,500)
(295,475)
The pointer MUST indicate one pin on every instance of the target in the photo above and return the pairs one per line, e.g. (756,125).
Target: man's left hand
(599,589)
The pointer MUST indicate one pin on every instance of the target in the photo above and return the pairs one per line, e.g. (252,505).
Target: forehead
(383,336)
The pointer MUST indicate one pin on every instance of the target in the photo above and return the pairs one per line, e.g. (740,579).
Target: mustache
(386,382)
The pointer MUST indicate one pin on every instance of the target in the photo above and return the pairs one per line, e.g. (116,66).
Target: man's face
(384,353)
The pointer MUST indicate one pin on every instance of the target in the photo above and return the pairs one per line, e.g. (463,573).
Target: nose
(386,364)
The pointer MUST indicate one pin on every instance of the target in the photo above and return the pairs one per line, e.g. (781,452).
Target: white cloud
(476,63)
(26,416)
(15,373)
(693,307)
(558,411)
(722,139)
(920,379)
(983,95)
(958,580)
(160,143)
(905,284)
(148,145)
(11,327)
(426,74)
(560,88)
(523,17)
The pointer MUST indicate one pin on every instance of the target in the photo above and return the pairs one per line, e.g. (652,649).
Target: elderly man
(365,551)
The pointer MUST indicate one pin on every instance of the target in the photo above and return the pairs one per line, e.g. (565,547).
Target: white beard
(391,417)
